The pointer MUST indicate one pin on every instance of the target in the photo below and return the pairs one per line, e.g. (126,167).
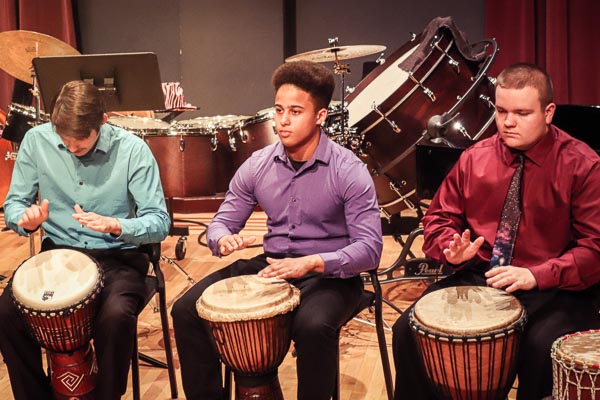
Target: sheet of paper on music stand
(128,81)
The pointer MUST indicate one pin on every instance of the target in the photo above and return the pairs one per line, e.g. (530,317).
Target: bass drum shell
(388,150)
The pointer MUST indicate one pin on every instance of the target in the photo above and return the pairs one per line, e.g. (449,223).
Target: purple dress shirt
(558,237)
(328,207)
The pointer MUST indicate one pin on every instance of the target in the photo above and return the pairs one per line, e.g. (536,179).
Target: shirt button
(81,183)
(293,226)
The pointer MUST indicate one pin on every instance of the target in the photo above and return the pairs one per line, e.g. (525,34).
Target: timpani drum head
(55,280)
(247,297)
(140,125)
(467,310)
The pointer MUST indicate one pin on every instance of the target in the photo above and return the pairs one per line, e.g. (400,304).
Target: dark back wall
(223,52)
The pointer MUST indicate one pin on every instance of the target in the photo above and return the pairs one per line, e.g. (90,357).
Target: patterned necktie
(509,220)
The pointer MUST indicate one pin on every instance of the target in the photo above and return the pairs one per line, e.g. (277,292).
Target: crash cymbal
(342,52)
(19,48)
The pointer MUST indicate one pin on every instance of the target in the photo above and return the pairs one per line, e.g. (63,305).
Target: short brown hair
(519,75)
(316,79)
(78,110)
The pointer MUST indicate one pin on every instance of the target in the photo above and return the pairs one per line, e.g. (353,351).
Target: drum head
(140,125)
(580,348)
(55,279)
(467,310)
(243,298)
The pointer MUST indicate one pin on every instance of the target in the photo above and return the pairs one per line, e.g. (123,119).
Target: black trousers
(325,305)
(550,314)
(113,330)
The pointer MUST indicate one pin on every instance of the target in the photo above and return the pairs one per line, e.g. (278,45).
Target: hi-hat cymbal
(19,48)
(342,53)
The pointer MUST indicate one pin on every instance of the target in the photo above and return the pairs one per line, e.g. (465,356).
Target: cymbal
(342,52)
(19,48)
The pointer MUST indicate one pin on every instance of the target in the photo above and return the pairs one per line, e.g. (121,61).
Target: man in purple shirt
(323,226)
(555,265)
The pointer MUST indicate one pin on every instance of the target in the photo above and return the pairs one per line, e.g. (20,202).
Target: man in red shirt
(555,266)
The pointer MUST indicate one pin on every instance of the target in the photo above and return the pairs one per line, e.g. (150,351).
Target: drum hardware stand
(341,70)
(392,124)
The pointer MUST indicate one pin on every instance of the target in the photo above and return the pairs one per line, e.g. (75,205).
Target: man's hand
(230,243)
(461,249)
(34,215)
(97,222)
(287,268)
(511,278)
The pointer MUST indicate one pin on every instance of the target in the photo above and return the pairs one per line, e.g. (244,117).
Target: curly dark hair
(316,79)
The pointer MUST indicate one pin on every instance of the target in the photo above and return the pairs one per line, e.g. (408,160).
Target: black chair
(374,301)
(155,284)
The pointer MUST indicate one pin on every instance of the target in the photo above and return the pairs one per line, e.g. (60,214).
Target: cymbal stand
(341,70)
(38,119)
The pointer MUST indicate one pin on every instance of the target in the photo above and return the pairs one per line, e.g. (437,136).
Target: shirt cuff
(333,266)
(543,277)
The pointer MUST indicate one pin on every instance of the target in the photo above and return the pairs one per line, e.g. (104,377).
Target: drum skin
(576,366)
(468,338)
(250,320)
(57,293)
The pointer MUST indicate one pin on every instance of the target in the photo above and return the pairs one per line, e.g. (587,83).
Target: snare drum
(468,338)
(391,108)
(576,366)
(57,294)
(19,120)
(250,321)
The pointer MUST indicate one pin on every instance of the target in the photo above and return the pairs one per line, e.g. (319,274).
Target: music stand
(128,81)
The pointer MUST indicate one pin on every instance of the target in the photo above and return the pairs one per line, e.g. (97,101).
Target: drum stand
(341,70)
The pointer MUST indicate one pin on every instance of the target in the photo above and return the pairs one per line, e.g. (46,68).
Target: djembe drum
(468,338)
(250,322)
(576,366)
(56,292)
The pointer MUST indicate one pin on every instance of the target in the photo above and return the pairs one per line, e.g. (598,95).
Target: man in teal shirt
(100,193)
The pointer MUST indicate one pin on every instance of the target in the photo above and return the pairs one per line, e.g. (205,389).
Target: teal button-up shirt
(118,178)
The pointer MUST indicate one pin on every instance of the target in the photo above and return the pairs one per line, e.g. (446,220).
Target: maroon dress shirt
(559,234)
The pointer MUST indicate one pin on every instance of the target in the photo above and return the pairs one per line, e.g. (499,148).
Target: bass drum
(427,93)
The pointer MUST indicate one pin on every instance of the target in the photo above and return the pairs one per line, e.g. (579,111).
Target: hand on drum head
(97,222)
(511,278)
(33,216)
(230,243)
(461,249)
(287,268)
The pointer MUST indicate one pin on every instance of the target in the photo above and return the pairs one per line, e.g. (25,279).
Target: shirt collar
(537,154)
(322,153)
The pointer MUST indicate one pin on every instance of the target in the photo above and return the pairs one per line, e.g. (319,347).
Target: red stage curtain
(561,36)
(51,17)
